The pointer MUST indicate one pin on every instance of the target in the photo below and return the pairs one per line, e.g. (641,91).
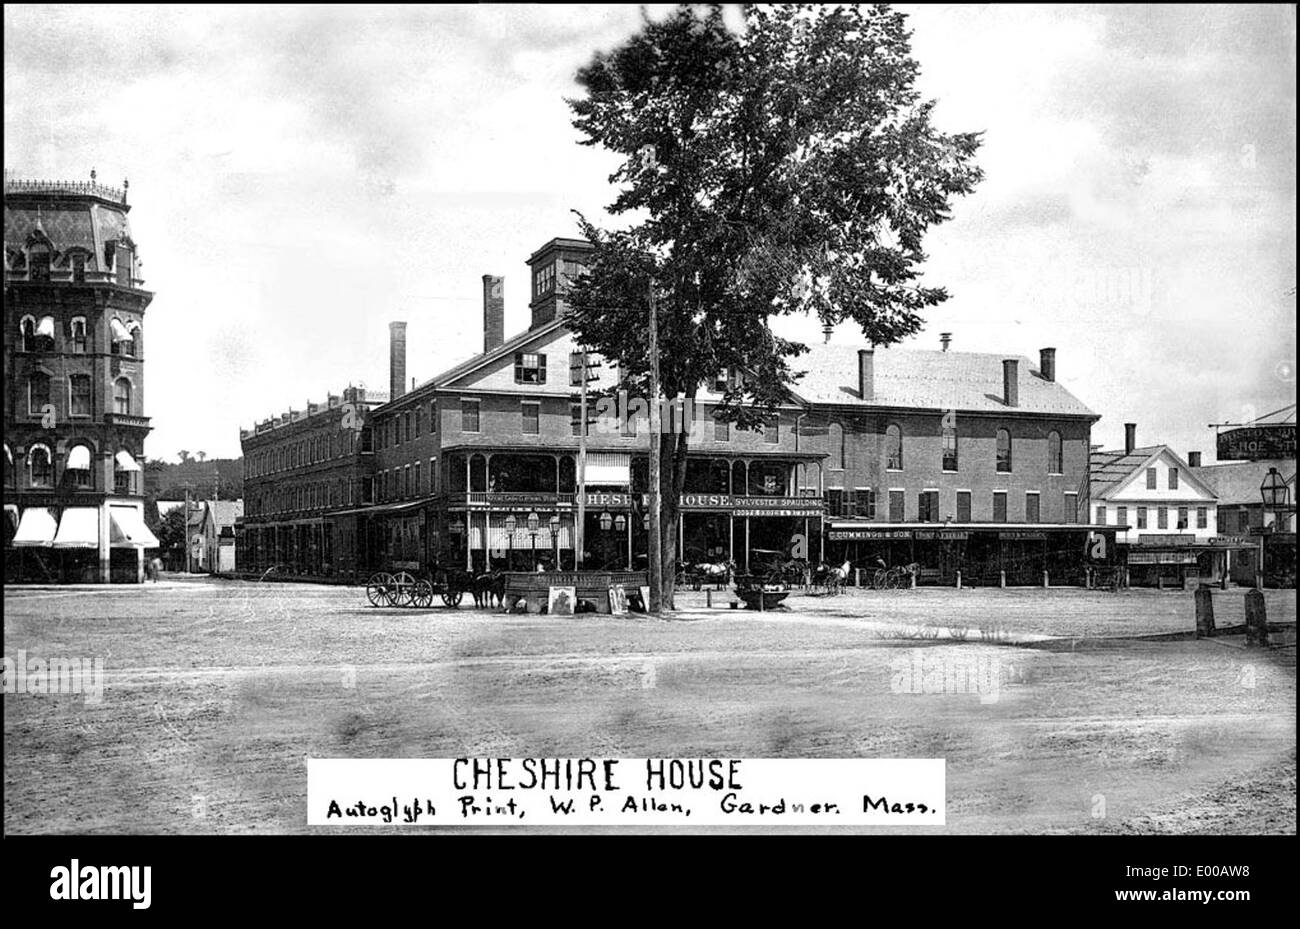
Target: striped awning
(79,459)
(120,333)
(609,468)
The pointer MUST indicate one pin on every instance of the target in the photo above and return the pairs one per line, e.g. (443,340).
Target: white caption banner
(625,792)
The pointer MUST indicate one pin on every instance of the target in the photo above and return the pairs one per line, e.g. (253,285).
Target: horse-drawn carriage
(404,588)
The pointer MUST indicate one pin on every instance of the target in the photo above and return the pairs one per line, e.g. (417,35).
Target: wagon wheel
(896,580)
(422,594)
(880,580)
(403,589)
(452,598)
(379,589)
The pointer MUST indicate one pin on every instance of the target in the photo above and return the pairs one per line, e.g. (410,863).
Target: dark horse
(489,589)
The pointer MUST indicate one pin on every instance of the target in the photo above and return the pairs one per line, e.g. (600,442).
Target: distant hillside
(166,481)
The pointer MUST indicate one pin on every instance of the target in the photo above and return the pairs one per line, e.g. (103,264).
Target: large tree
(785,166)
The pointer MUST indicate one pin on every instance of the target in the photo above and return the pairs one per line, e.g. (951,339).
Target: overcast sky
(301,176)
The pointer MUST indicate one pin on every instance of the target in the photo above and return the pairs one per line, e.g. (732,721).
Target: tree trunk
(672,481)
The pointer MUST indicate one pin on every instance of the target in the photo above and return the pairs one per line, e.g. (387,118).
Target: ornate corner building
(74,423)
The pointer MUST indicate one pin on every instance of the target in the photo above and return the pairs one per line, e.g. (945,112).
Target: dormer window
(530,368)
(38,264)
(78,262)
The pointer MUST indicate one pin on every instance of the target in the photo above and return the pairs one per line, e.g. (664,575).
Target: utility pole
(580,526)
(185,532)
(656,541)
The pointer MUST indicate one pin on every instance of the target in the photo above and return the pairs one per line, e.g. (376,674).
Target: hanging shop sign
(1023,535)
(1254,443)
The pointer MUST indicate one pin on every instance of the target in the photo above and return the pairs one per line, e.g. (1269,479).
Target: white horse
(718,573)
(837,576)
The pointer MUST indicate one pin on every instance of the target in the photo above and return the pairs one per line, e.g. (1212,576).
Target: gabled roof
(506,348)
(1108,471)
(932,380)
(224,512)
(1237,482)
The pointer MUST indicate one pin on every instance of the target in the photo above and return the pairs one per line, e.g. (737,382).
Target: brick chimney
(396,360)
(1047,363)
(827,330)
(494,311)
(1011,381)
(945,339)
(867,373)
(1130,437)
(1193,459)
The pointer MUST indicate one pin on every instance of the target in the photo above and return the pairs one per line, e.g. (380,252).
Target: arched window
(122,396)
(38,393)
(77,329)
(125,468)
(123,337)
(38,336)
(40,465)
(1004,450)
(894,448)
(1054,459)
(77,468)
(132,346)
(949,444)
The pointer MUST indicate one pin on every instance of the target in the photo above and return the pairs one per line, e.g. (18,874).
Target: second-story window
(1055,462)
(949,446)
(78,328)
(469,415)
(38,393)
(79,394)
(531,418)
(772,431)
(530,368)
(1004,450)
(433,416)
(894,448)
(721,430)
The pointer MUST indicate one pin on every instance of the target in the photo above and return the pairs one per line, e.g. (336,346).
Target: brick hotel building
(74,351)
(959,461)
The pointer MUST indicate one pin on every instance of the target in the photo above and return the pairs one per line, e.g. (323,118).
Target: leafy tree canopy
(789,166)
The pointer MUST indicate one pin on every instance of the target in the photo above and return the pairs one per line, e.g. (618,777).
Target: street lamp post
(510,524)
(533,523)
(554,523)
(1275,494)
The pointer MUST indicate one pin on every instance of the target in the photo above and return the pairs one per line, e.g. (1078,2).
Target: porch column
(629,545)
(139,564)
(747,537)
(731,536)
(105,544)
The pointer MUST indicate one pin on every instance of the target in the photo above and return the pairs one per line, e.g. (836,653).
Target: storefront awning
(128,528)
(125,462)
(36,527)
(609,468)
(79,459)
(78,528)
(119,331)
(46,327)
